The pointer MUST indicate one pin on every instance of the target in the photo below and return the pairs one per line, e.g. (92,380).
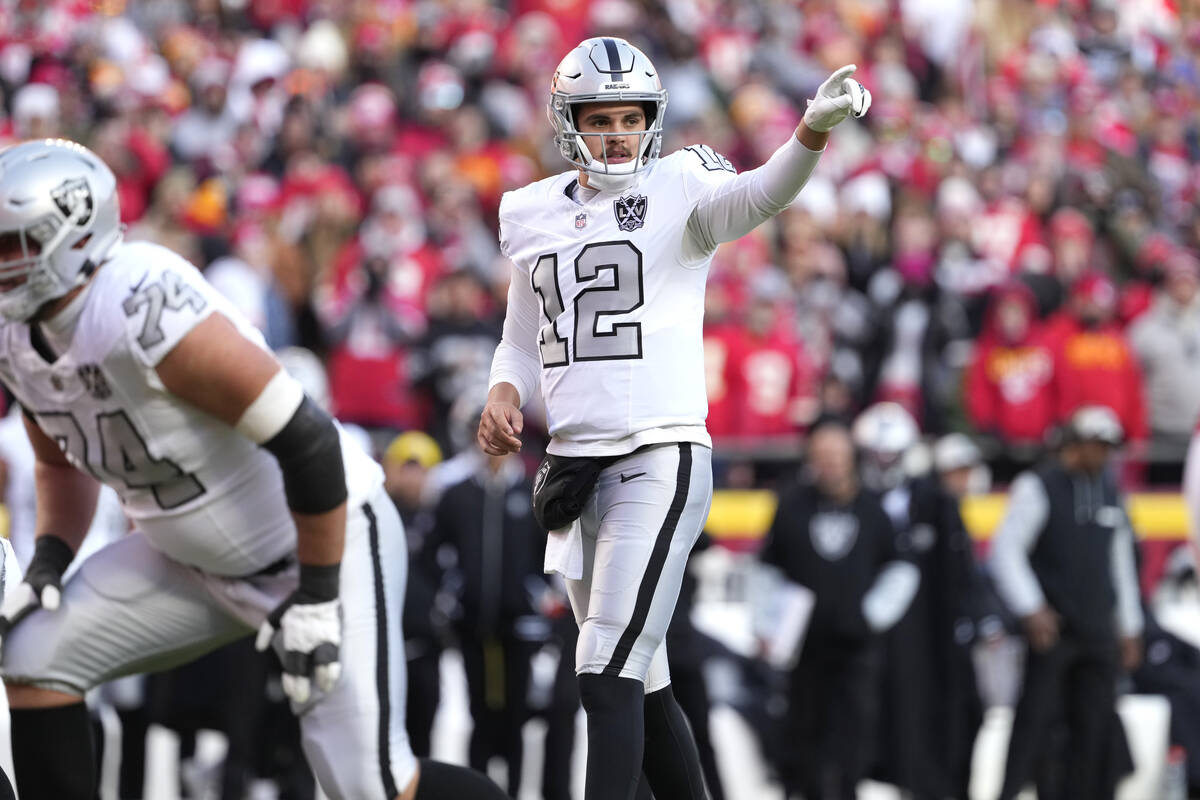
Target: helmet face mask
(606,70)
(59,217)
(884,433)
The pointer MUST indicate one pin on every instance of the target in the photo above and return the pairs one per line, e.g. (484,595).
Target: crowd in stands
(1009,234)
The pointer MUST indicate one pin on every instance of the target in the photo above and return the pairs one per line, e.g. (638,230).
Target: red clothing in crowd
(757,386)
(135,185)
(1009,388)
(1096,366)
(368,372)
(720,346)
(372,389)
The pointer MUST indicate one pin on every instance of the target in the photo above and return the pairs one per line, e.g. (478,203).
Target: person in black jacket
(931,709)
(407,462)
(834,538)
(488,522)
(1063,560)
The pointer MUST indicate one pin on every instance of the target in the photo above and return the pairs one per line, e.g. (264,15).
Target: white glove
(839,96)
(307,637)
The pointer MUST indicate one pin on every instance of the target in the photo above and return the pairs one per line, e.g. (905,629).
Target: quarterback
(604,316)
(251,508)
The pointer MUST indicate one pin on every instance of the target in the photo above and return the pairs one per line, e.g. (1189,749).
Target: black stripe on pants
(381,659)
(654,568)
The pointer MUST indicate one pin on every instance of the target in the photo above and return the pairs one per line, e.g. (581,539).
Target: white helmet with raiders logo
(884,434)
(59,218)
(606,70)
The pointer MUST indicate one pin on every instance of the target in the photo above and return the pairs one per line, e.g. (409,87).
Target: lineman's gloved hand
(306,630)
(838,97)
(42,587)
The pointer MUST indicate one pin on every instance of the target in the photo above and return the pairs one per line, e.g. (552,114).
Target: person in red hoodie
(1093,361)
(1009,387)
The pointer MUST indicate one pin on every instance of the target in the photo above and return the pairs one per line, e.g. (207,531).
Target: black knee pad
(440,781)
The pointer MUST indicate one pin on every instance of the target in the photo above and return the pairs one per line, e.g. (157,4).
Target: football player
(251,508)
(604,316)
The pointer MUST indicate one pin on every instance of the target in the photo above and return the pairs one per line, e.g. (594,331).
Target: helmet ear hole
(651,111)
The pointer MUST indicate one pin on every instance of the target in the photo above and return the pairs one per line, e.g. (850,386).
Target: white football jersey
(617,283)
(200,491)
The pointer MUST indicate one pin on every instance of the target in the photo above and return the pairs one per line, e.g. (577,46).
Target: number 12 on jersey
(595,338)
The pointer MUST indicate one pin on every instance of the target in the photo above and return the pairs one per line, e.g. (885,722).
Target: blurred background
(1011,234)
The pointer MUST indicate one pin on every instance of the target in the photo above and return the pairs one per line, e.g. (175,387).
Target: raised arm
(735,207)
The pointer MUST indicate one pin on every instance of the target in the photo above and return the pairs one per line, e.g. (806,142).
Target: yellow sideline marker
(746,515)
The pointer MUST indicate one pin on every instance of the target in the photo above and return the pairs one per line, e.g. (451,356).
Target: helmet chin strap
(610,183)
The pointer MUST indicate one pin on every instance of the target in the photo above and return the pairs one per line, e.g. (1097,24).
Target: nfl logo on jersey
(580,222)
(630,211)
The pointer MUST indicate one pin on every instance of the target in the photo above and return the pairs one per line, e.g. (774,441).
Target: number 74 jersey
(197,489)
(609,295)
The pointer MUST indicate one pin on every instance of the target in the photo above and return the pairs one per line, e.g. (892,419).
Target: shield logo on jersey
(833,534)
(630,211)
(74,195)
(94,380)
(580,221)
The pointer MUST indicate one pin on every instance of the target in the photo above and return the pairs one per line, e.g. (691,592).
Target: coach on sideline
(1063,561)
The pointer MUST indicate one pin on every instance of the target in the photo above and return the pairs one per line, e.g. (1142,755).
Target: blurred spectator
(367,355)
(137,159)
(931,708)
(832,536)
(453,357)
(722,338)
(769,375)
(1063,561)
(208,124)
(406,465)
(487,522)
(1093,361)
(689,649)
(245,278)
(1010,380)
(35,112)
(1167,342)
(959,465)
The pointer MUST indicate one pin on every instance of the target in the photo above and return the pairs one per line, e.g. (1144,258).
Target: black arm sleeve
(309,452)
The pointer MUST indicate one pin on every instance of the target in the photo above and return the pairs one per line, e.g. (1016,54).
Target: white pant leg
(128,609)
(354,737)
(639,528)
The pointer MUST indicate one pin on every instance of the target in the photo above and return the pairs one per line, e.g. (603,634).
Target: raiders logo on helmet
(74,196)
(631,211)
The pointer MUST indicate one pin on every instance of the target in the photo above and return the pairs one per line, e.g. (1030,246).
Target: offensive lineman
(604,314)
(251,508)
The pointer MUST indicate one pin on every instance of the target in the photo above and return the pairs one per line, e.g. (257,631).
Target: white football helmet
(606,70)
(883,434)
(59,219)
